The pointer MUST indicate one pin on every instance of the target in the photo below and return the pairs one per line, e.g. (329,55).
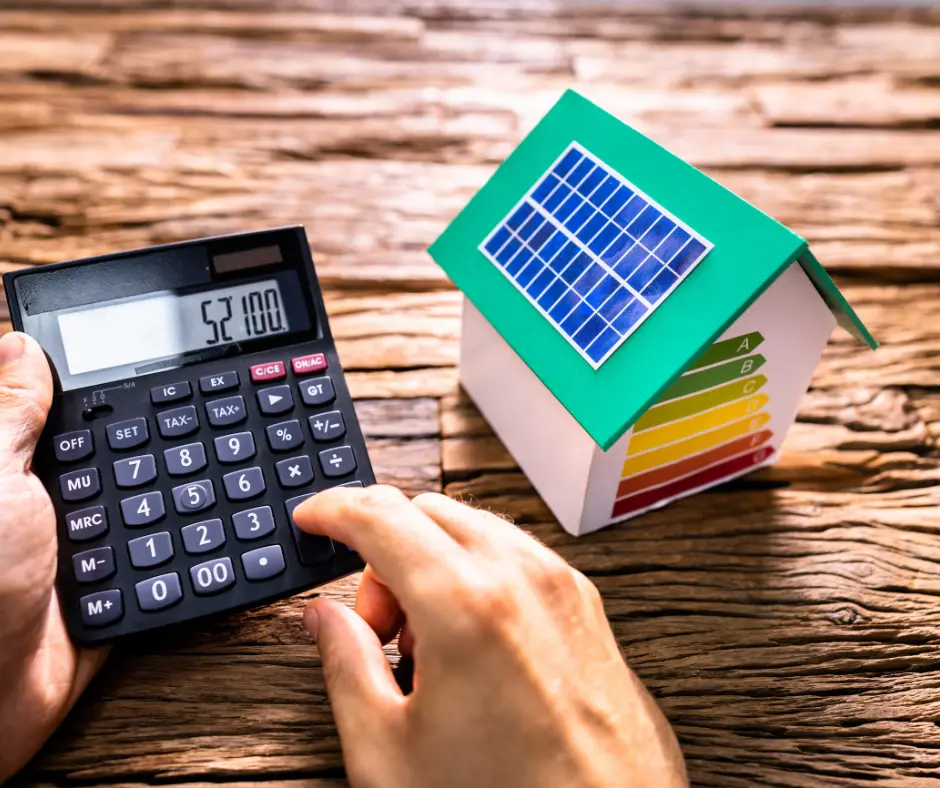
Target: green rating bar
(691,383)
(706,400)
(728,349)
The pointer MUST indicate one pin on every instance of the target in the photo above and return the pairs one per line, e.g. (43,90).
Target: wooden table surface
(788,623)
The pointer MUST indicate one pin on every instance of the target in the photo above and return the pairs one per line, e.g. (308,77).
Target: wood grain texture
(788,622)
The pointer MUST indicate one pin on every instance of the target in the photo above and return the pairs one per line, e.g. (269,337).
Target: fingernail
(312,621)
(12,347)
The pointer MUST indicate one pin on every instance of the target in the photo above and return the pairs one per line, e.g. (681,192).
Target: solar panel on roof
(592,252)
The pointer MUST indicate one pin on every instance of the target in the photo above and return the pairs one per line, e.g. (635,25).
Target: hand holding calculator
(199,399)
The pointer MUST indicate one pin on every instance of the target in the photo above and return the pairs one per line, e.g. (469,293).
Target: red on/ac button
(271,370)
(304,365)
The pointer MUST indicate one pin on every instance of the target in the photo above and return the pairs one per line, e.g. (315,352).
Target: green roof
(750,250)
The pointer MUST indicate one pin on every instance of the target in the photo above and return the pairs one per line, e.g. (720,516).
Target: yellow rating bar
(693,445)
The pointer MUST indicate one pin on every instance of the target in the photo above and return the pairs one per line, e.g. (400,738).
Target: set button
(127,434)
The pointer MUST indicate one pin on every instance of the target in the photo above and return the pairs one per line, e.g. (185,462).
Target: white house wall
(545,440)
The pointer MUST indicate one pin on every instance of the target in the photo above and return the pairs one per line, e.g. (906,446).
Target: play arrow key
(275,400)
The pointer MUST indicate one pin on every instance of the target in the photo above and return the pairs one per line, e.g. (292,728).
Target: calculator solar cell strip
(592,252)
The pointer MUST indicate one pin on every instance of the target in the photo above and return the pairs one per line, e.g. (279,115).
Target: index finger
(392,534)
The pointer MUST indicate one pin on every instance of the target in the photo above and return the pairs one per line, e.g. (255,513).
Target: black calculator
(198,400)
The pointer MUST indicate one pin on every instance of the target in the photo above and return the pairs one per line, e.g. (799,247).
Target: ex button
(79,485)
(103,607)
(128,434)
(72,446)
(212,384)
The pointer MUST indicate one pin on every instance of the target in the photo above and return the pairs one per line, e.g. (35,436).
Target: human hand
(41,672)
(518,679)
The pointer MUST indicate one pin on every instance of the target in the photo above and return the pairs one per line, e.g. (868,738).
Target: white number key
(212,576)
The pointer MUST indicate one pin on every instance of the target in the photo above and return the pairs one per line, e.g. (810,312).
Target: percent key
(285,436)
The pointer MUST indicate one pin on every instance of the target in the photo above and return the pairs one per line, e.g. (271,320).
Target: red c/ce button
(270,370)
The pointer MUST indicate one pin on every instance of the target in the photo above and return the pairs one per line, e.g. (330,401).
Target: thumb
(25,398)
(367,702)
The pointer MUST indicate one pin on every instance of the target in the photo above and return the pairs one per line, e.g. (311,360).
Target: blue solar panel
(593,253)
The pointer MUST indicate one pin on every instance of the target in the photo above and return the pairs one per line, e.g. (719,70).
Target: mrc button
(72,446)
(270,370)
(128,434)
(305,365)
(87,524)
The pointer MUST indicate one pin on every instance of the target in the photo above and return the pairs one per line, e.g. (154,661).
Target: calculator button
(181,460)
(73,446)
(311,548)
(242,485)
(306,365)
(275,400)
(235,448)
(317,391)
(285,436)
(80,485)
(264,562)
(253,523)
(338,461)
(102,608)
(135,471)
(178,422)
(271,370)
(159,592)
(87,524)
(212,576)
(92,565)
(203,537)
(225,412)
(142,509)
(193,497)
(128,434)
(151,550)
(213,384)
(171,392)
(327,426)
(294,472)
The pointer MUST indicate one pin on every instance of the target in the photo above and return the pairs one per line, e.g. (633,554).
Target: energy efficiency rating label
(709,425)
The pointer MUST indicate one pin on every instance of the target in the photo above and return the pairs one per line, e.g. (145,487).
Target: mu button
(80,485)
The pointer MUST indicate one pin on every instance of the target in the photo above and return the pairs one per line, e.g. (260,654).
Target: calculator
(198,400)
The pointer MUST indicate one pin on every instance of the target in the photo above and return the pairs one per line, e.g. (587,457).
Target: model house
(632,330)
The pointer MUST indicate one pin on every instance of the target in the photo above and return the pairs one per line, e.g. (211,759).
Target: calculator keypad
(127,434)
(80,485)
(157,593)
(153,550)
(183,460)
(235,448)
(178,422)
(135,471)
(203,537)
(213,576)
(193,497)
(244,484)
(219,545)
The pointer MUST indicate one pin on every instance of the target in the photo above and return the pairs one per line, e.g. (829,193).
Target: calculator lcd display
(129,331)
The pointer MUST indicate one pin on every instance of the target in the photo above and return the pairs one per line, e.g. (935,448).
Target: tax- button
(213,384)
(102,608)
(178,422)
(171,392)
(92,565)
(225,412)
(72,446)
(271,370)
(80,485)
(87,524)
(127,434)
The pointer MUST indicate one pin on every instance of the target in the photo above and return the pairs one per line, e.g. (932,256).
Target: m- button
(72,446)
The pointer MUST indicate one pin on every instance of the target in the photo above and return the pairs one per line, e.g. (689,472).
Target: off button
(73,446)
